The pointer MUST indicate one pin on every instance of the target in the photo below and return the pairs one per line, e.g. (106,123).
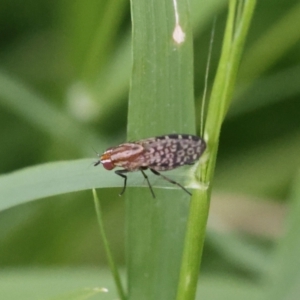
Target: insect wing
(171,151)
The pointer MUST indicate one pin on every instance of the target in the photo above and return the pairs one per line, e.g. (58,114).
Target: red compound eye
(107,164)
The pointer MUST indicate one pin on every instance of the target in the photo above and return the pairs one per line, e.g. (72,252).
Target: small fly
(160,153)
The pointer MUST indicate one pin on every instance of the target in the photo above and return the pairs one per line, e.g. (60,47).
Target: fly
(161,153)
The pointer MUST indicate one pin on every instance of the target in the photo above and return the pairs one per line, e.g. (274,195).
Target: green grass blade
(50,179)
(63,177)
(161,102)
(235,34)
(109,255)
(193,247)
(225,78)
(161,83)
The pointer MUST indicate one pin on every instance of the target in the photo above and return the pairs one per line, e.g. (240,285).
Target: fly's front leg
(120,173)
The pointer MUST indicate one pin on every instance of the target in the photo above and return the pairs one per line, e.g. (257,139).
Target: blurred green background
(64,82)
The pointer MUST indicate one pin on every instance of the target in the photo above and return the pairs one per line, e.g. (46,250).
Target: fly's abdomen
(171,151)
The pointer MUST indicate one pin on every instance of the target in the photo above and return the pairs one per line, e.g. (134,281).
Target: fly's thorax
(125,155)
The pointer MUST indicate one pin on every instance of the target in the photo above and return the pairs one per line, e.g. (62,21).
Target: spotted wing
(171,151)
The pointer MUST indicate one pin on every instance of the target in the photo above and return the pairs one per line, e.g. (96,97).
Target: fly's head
(105,160)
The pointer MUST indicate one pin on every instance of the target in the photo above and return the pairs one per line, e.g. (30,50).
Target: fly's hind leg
(170,180)
(146,177)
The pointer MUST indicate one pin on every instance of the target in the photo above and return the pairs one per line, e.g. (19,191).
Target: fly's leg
(146,177)
(170,180)
(120,173)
